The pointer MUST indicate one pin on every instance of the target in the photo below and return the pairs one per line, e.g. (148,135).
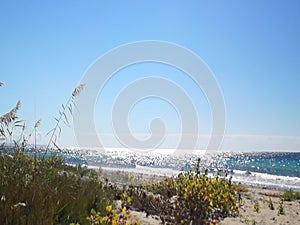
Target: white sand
(265,216)
(247,214)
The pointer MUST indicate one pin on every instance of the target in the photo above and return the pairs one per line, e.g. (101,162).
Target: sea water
(280,170)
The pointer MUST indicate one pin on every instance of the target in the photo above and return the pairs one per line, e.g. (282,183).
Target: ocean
(279,170)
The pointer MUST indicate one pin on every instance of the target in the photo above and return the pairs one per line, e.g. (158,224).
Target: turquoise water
(266,169)
(284,164)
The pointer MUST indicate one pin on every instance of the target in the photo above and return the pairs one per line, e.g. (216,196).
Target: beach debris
(248,172)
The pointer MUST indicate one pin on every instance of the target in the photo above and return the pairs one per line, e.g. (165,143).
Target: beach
(265,216)
(247,214)
(259,196)
(139,194)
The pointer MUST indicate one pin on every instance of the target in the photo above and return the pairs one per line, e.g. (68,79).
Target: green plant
(270,204)
(256,206)
(280,208)
(254,222)
(121,216)
(43,189)
(46,191)
(290,195)
(192,197)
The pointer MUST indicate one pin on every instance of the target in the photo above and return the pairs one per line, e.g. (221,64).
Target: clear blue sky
(252,47)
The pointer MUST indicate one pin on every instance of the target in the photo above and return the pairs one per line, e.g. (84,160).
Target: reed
(56,131)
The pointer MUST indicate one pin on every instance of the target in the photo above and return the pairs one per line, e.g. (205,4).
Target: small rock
(248,172)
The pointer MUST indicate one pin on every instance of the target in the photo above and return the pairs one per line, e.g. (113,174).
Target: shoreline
(253,202)
(247,213)
(170,173)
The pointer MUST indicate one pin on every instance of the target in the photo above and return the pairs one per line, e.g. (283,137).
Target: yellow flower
(104,219)
(124,209)
(206,197)
(109,208)
(114,222)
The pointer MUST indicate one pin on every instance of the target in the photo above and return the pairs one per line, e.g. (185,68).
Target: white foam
(267,180)
(146,170)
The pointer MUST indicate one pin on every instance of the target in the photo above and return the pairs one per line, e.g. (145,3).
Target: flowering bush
(121,216)
(190,198)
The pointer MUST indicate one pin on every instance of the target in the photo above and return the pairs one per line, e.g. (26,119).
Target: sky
(252,48)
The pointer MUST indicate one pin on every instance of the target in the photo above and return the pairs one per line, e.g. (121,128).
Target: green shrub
(290,195)
(190,198)
(121,216)
(45,191)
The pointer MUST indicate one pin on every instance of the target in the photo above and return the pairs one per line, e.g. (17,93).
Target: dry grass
(11,115)
(77,90)
(56,131)
(269,194)
(240,188)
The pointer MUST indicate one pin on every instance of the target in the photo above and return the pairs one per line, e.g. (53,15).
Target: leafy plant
(290,195)
(280,208)
(190,198)
(46,191)
(256,206)
(121,216)
(270,204)
(43,189)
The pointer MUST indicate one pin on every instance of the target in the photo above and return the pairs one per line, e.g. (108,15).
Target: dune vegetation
(40,188)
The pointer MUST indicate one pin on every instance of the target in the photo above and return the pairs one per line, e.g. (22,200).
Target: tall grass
(43,190)
(46,191)
(56,131)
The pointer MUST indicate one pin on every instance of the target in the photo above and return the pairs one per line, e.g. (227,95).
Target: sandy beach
(265,216)
(247,214)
